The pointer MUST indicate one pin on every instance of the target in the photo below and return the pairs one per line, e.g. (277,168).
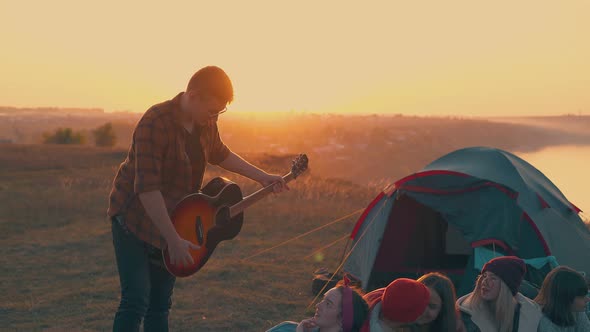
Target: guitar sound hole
(199,230)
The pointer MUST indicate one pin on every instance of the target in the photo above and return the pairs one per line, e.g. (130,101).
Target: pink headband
(347,307)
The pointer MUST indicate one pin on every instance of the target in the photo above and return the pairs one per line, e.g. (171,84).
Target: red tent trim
(414,176)
(400,183)
(389,190)
(538,232)
(511,194)
(575,208)
(544,203)
(363,216)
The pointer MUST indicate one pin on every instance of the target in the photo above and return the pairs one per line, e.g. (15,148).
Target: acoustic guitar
(216,214)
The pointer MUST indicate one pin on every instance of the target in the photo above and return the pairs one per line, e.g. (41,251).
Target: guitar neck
(248,201)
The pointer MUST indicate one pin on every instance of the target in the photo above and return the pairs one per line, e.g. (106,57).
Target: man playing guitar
(172,143)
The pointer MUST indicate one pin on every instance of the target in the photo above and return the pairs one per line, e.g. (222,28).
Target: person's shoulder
(523,299)
(582,321)
(530,311)
(158,111)
(468,324)
(462,305)
(374,297)
(527,303)
(546,325)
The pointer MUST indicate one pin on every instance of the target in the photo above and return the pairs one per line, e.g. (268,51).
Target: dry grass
(58,270)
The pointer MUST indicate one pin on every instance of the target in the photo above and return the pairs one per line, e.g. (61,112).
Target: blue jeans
(146,285)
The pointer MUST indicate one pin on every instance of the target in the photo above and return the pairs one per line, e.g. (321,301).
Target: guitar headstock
(299,165)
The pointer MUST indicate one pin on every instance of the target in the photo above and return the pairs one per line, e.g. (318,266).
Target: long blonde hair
(499,312)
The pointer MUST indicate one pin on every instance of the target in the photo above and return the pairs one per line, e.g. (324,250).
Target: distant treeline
(104,136)
(62,110)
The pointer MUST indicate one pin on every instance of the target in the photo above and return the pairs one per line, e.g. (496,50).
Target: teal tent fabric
(490,196)
(553,215)
(287,326)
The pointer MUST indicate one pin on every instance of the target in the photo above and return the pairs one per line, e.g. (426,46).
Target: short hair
(560,287)
(212,81)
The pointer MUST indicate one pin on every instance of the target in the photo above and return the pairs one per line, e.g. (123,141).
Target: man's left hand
(277,180)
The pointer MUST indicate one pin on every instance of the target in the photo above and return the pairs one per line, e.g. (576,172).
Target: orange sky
(414,57)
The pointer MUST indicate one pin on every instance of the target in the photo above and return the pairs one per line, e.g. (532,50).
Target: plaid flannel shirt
(157,160)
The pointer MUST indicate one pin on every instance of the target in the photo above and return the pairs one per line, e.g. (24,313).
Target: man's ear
(193,94)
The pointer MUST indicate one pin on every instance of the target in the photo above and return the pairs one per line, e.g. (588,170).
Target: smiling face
(432,310)
(328,311)
(490,286)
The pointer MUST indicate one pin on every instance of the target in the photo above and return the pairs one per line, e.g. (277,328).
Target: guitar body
(216,214)
(204,219)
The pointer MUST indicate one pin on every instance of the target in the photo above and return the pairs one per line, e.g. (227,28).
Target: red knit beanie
(510,269)
(404,300)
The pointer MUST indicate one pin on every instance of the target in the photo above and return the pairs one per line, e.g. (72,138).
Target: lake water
(567,167)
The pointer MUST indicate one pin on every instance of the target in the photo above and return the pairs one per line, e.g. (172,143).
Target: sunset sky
(525,57)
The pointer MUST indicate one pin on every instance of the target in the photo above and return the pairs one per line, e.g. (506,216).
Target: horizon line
(303,112)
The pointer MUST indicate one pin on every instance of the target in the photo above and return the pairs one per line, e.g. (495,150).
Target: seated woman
(563,298)
(442,313)
(495,304)
(394,308)
(342,309)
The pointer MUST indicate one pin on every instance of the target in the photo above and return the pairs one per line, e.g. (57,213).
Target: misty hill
(569,122)
(359,148)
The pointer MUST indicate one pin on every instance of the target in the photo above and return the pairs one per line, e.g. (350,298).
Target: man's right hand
(178,248)
(179,251)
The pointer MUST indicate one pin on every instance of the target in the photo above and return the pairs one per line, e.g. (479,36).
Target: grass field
(58,271)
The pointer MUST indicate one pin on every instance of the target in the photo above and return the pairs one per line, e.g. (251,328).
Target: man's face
(204,109)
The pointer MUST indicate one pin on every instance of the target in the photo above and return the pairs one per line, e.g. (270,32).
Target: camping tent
(460,208)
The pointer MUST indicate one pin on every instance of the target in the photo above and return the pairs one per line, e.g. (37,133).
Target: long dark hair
(560,287)
(359,306)
(447,317)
